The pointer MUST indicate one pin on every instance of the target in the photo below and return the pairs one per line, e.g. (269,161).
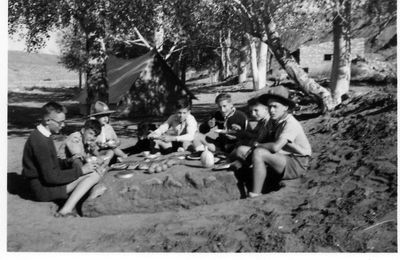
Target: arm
(191,129)
(273,147)
(49,168)
(162,128)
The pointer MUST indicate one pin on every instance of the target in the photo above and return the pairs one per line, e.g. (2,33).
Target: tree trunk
(97,84)
(253,56)
(159,30)
(183,65)
(228,50)
(80,78)
(223,57)
(262,66)
(243,61)
(293,69)
(340,75)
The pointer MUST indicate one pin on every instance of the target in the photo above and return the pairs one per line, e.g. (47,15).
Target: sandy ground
(346,203)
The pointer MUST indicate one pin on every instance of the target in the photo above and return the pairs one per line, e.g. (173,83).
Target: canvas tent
(142,86)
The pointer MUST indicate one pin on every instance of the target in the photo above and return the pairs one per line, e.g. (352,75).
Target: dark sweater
(40,161)
(238,118)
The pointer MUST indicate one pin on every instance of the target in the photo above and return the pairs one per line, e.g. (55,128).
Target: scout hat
(100,108)
(279,93)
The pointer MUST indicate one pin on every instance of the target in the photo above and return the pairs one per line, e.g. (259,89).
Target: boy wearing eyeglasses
(51,178)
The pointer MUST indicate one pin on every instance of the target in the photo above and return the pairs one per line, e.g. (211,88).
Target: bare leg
(78,189)
(119,153)
(162,144)
(260,157)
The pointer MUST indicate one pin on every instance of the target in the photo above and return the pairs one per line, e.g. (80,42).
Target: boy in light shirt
(177,133)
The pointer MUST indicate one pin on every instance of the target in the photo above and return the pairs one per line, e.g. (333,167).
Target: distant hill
(34,69)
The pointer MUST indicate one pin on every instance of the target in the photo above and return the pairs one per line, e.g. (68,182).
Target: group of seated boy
(277,145)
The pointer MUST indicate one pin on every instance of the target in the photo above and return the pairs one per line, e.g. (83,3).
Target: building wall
(313,58)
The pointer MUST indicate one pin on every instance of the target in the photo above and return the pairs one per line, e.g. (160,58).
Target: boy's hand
(168,138)
(78,156)
(88,167)
(111,143)
(236,127)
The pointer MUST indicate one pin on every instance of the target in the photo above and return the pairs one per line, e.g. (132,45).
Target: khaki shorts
(296,166)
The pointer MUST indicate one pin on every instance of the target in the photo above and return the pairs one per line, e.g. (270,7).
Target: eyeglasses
(60,123)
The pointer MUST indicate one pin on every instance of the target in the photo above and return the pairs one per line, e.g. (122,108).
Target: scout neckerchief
(273,126)
(181,126)
(228,116)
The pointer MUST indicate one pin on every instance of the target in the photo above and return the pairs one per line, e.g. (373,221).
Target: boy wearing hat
(51,178)
(248,137)
(107,142)
(286,151)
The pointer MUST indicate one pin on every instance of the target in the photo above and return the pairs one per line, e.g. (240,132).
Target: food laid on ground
(119,166)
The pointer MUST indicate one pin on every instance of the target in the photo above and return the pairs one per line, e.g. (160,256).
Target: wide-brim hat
(280,93)
(100,108)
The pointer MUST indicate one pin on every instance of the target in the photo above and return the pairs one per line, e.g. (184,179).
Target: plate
(220,131)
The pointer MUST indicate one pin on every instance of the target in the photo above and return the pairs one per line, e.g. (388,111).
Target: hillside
(34,69)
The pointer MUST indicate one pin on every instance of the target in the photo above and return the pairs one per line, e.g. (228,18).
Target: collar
(43,130)
(230,113)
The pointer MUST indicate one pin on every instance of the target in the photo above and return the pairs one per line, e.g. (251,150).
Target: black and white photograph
(201,126)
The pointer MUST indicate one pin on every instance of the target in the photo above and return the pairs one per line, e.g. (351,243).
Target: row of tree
(196,33)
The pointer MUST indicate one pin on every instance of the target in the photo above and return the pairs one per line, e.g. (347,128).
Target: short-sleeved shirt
(107,134)
(72,145)
(184,131)
(291,130)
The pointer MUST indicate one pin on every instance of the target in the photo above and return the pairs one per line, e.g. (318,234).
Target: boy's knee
(259,153)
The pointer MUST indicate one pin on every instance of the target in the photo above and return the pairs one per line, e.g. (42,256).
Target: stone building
(316,59)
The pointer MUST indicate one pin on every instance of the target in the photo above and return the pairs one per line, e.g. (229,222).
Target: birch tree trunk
(97,84)
(243,61)
(262,66)
(253,57)
(228,50)
(340,75)
(293,69)
(159,30)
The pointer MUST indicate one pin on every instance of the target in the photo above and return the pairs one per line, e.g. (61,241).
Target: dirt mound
(346,203)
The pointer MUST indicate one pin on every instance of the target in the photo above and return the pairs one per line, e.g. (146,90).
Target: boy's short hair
(253,102)
(183,103)
(93,125)
(222,97)
(52,107)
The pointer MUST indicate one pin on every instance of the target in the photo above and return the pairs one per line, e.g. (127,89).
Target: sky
(16,44)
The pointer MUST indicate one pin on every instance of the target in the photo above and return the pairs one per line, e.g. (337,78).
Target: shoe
(66,215)
(194,156)
(153,156)
(221,167)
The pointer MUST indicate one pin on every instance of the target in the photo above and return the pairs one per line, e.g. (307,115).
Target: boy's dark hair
(52,107)
(223,96)
(253,102)
(94,125)
(183,103)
